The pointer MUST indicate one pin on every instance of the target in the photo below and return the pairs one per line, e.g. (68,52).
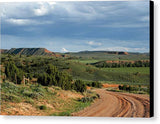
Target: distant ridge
(30,51)
(105,52)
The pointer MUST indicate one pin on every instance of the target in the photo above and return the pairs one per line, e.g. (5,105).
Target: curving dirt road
(116,104)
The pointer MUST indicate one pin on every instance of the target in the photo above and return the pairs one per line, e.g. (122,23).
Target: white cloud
(51,3)
(64,50)
(27,21)
(92,43)
(42,10)
(19,21)
(125,49)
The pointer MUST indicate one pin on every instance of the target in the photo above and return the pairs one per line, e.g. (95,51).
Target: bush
(9,88)
(79,86)
(42,107)
(134,89)
(86,99)
(31,94)
(98,96)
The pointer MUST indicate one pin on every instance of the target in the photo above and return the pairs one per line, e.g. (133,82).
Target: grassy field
(132,75)
(140,70)
(85,61)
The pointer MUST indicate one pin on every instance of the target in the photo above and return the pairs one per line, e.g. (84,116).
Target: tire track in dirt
(113,104)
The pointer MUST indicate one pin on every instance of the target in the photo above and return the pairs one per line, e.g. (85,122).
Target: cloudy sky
(76,26)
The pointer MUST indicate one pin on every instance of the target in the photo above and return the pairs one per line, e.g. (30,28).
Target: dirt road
(116,104)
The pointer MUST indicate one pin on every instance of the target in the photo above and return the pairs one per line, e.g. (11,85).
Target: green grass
(78,69)
(85,61)
(133,75)
(41,96)
(77,106)
(103,55)
(141,70)
(136,90)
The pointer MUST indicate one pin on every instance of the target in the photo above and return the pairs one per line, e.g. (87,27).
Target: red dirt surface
(52,53)
(88,88)
(116,104)
(110,85)
(47,51)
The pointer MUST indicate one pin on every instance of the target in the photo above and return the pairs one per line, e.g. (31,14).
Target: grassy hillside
(83,71)
(131,75)
(58,73)
(105,55)
(40,100)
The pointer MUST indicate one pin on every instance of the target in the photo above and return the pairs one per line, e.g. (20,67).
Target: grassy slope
(39,100)
(141,70)
(104,56)
(133,75)
(79,70)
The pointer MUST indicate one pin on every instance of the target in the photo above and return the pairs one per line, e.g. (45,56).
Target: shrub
(31,94)
(9,88)
(98,95)
(86,99)
(79,86)
(42,107)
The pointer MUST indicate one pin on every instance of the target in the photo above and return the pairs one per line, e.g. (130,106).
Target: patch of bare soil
(21,109)
(110,85)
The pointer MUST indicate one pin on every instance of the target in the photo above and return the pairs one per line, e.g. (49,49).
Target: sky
(76,26)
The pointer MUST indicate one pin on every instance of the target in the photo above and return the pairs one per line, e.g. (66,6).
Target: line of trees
(47,75)
(125,64)
(133,88)
(50,76)
(53,77)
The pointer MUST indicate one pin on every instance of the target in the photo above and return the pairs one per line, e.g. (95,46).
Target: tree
(79,86)
(10,71)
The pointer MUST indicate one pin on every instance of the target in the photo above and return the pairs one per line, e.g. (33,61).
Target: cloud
(51,3)
(125,49)
(77,26)
(93,43)
(41,11)
(79,12)
(19,21)
(64,50)
(27,22)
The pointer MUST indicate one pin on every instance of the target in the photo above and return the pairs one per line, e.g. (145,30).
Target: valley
(36,81)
